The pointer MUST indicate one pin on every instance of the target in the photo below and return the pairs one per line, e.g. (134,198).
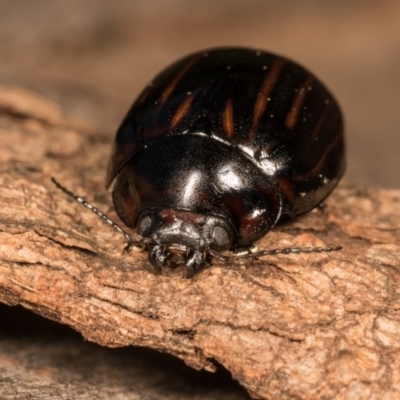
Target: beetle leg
(220,256)
(195,262)
(158,257)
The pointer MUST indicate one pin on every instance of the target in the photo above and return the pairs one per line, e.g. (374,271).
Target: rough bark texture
(304,326)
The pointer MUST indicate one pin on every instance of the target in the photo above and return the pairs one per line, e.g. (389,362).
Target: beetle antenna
(290,250)
(273,252)
(130,242)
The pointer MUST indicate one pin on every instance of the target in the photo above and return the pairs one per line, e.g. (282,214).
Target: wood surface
(305,326)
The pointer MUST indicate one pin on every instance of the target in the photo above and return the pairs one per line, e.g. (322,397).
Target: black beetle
(216,149)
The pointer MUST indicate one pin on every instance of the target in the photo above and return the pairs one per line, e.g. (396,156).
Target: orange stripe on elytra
(227,118)
(293,114)
(170,88)
(180,113)
(321,119)
(318,167)
(265,91)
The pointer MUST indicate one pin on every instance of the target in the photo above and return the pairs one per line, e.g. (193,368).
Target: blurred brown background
(93,57)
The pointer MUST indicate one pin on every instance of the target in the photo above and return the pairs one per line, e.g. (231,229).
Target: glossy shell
(270,114)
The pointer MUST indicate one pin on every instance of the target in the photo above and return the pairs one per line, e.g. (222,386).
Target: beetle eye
(143,225)
(220,237)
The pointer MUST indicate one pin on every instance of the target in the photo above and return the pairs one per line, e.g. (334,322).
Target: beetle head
(175,236)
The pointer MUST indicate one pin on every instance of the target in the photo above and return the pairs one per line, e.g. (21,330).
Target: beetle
(216,149)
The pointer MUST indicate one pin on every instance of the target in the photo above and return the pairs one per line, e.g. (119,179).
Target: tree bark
(307,326)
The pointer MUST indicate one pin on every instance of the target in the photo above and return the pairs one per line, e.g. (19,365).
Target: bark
(302,326)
